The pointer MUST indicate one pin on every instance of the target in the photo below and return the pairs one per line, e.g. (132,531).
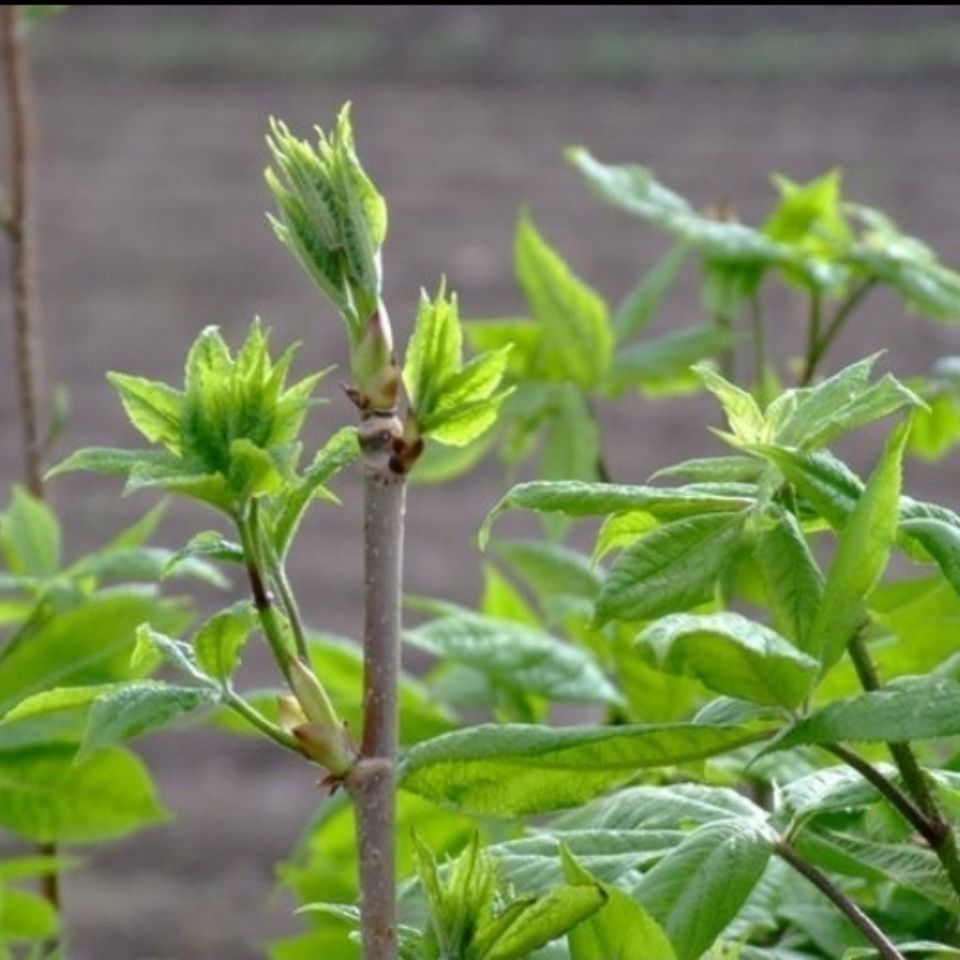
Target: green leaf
(936,430)
(516,656)
(734,469)
(342,449)
(513,770)
(658,808)
(828,484)
(915,708)
(551,570)
(435,350)
(621,930)
(744,416)
(672,568)
(545,919)
(792,581)
(145,564)
(863,549)
(521,335)
(731,655)
(906,264)
(698,889)
(906,865)
(108,460)
(577,343)
(635,190)
(47,798)
(218,642)
(87,644)
(941,541)
(30,536)
(25,916)
(663,365)
(620,530)
(154,408)
(206,544)
(502,601)
(642,303)
(137,708)
(810,216)
(574,498)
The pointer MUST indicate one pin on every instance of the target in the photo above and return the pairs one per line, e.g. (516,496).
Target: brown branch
(19,227)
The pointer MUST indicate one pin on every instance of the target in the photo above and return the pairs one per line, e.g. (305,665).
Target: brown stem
(841,901)
(940,834)
(20,233)
(897,798)
(819,346)
(18,223)
(372,783)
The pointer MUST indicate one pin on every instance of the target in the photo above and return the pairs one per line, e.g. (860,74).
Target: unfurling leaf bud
(312,719)
(330,216)
(375,372)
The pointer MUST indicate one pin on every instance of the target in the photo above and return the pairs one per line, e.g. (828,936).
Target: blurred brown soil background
(152,227)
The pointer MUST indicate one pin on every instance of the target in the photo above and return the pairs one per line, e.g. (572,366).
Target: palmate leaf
(514,769)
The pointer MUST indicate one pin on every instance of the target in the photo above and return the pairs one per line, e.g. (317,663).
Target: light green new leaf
(88,644)
(502,601)
(731,655)
(575,498)
(25,916)
(918,708)
(641,304)
(577,343)
(133,709)
(513,770)
(218,642)
(663,365)
(30,536)
(634,189)
(909,266)
(826,482)
(545,919)
(47,798)
(863,550)
(435,351)
(744,416)
(154,408)
(342,449)
(673,568)
(619,530)
(517,656)
(792,581)
(621,930)
(698,889)
(941,540)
